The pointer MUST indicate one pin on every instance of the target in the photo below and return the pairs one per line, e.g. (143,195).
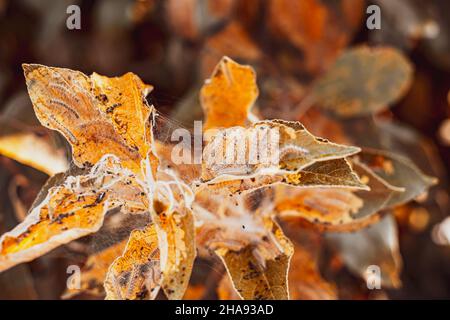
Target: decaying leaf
(176,240)
(363,81)
(272,152)
(397,171)
(376,246)
(228,95)
(346,209)
(256,281)
(251,245)
(252,173)
(69,211)
(136,273)
(34,151)
(97,115)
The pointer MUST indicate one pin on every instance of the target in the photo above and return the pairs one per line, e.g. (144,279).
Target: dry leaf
(69,211)
(228,95)
(97,115)
(376,245)
(275,151)
(253,280)
(364,80)
(136,273)
(176,232)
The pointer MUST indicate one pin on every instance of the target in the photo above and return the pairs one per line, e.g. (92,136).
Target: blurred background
(175,44)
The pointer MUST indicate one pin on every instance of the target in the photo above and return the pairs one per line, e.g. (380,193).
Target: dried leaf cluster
(231,210)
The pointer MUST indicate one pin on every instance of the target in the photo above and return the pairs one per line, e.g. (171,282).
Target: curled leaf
(272,145)
(177,249)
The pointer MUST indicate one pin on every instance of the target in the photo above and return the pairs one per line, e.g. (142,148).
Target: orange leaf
(228,95)
(97,115)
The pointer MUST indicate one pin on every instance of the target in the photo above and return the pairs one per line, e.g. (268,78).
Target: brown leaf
(376,245)
(364,80)
(333,173)
(254,280)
